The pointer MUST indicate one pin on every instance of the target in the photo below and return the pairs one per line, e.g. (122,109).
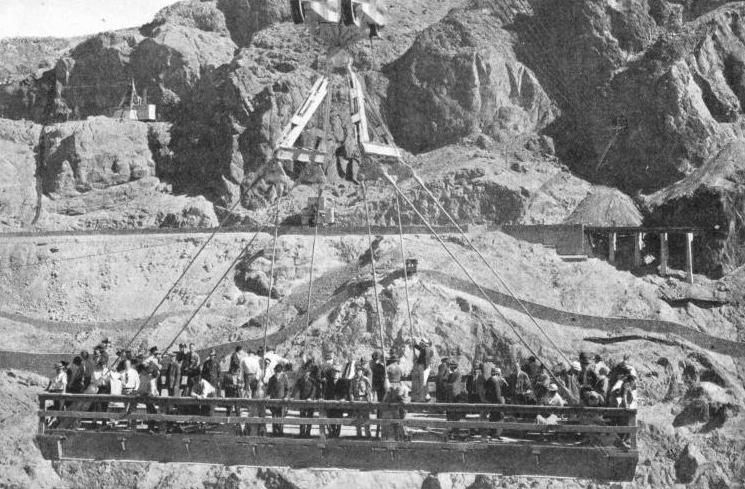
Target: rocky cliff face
(461,77)
(18,157)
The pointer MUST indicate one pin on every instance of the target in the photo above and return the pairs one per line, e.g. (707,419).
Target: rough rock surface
(245,18)
(461,77)
(198,14)
(94,154)
(172,60)
(18,156)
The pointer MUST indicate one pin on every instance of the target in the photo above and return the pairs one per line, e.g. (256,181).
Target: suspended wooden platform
(424,440)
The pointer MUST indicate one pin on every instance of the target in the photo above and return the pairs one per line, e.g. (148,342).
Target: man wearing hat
(553,398)
(587,371)
(360,390)
(453,393)
(442,373)
(211,370)
(335,389)
(377,370)
(278,387)
(420,373)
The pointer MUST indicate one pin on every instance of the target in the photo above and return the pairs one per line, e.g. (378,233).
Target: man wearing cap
(453,393)
(378,373)
(278,387)
(442,373)
(211,370)
(587,375)
(493,395)
(420,373)
(305,389)
(360,390)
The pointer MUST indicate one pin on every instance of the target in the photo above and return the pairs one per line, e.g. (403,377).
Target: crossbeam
(324,404)
(349,421)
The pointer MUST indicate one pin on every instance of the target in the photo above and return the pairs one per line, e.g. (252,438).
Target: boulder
(171,62)
(202,15)
(462,76)
(688,464)
(19,142)
(95,76)
(246,17)
(94,154)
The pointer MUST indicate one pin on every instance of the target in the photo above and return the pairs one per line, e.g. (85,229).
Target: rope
(271,279)
(194,258)
(488,265)
(181,276)
(312,263)
(196,311)
(403,260)
(374,275)
(470,277)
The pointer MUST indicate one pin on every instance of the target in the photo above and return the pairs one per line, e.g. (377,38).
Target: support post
(638,243)
(689,257)
(663,254)
(612,243)
(42,419)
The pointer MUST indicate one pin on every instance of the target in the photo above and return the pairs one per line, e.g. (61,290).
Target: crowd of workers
(265,374)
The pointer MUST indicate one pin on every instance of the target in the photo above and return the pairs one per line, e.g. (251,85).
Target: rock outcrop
(247,17)
(94,154)
(171,62)
(649,89)
(197,14)
(18,156)
(461,77)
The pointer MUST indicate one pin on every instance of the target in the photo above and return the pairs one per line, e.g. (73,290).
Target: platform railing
(169,411)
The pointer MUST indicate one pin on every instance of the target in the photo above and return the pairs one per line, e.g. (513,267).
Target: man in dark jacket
(305,389)
(335,389)
(278,387)
(211,371)
(493,395)
(378,376)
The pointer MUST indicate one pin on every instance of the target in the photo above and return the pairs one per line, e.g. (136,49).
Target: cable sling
(403,260)
(374,275)
(475,283)
(271,277)
(224,275)
(486,262)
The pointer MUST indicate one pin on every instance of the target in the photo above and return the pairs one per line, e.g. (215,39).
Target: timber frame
(582,445)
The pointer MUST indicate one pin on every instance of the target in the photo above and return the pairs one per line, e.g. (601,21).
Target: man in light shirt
(130,379)
(251,370)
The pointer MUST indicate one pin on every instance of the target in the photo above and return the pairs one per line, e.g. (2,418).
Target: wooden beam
(529,427)
(612,244)
(638,243)
(663,254)
(346,405)
(522,458)
(689,257)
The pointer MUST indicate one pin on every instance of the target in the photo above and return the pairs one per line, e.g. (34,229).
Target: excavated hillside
(689,359)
